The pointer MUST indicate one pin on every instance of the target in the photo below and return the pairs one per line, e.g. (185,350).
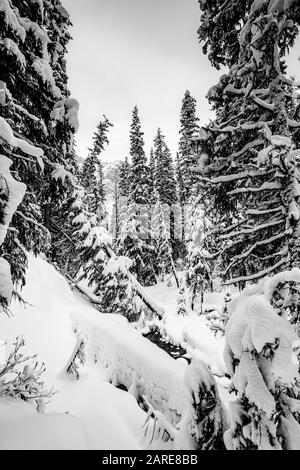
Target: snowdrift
(84,414)
(132,361)
(91,413)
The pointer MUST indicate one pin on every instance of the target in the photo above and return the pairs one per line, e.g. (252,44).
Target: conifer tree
(199,272)
(162,239)
(92,171)
(33,44)
(100,137)
(115,216)
(179,180)
(120,198)
(152,168)
(135,244)
(165,188)
(139,177)
(117,292)
(164,178)
(251,175)
(135,240)
(92,244)
(124,179)
(259,357)
(187,157)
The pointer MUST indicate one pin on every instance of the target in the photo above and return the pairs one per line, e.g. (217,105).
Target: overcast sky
(137,52)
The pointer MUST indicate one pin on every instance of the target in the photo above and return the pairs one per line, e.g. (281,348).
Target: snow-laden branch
(7,134)
(293,123)
(254,143)
(264,104)
(254,229)
(15,192)
(261,92)
(237,259)
(236,176)
(289,81)
(255,276)
(267,186)
(245,127)
(263,212)
(31,221)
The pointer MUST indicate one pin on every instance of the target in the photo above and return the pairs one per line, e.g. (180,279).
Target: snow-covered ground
(91,413)
(99,416)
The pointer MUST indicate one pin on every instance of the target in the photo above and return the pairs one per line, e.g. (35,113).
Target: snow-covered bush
(203,420)
(20,378)
(260,355)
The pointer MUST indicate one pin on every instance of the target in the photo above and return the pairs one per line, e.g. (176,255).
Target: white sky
(143,52)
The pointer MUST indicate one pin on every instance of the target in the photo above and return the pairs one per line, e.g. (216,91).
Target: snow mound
(23,429)
(132,361)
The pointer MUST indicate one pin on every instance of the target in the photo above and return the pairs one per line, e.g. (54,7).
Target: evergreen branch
(255,276)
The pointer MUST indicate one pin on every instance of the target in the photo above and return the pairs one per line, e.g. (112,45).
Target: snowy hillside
(91,412)
(99,415)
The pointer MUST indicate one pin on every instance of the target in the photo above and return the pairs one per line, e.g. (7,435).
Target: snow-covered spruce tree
(152,169)
(252,175)
(116,291)
(124,178)
(164,177)
(180,245)
(92,181)
(114,226)
(187,158)
(199,272)
(92,171)
(178,174)
(139,171)
(135,240)
(261,356)
(92,244)
(33,41)
(165,188)
(100,137)
(204,421)
(162,239)
(78,239)
(123,193)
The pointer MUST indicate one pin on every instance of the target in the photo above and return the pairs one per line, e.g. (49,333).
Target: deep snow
(99,415)
(91,413)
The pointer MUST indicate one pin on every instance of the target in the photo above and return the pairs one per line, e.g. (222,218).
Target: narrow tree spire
(186,156)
